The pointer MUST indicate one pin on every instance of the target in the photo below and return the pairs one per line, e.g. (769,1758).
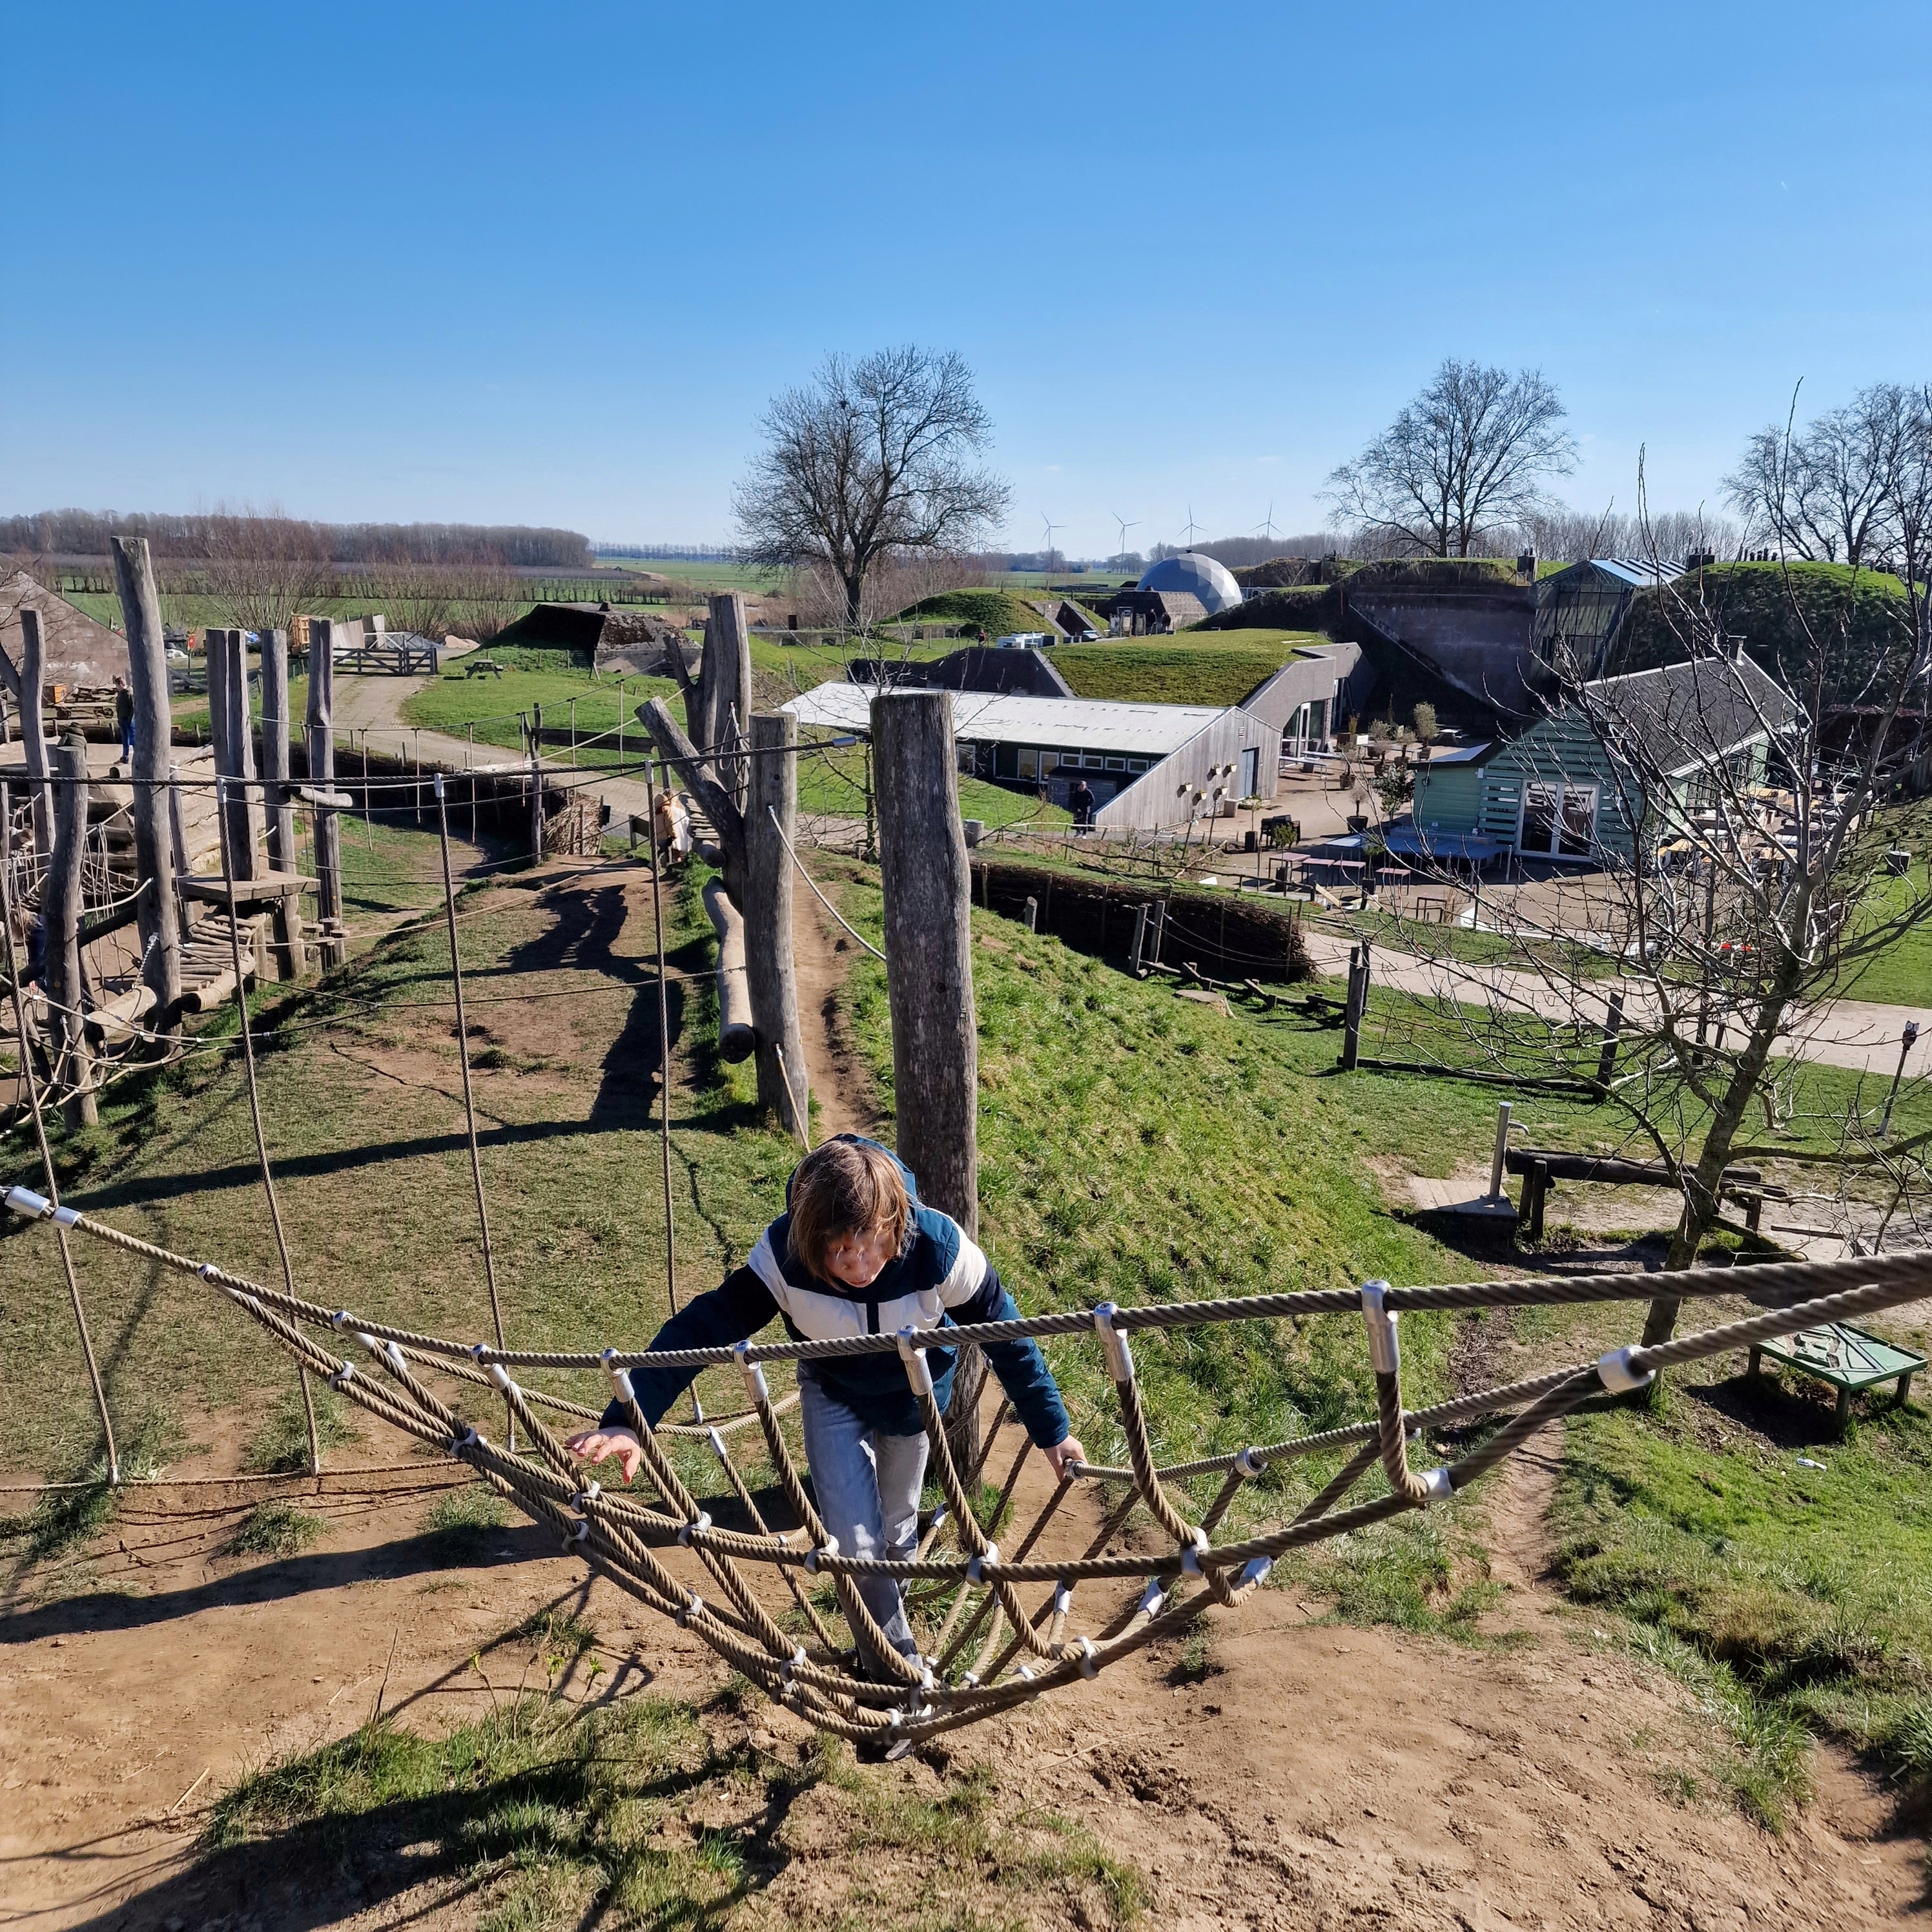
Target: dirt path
(821,950)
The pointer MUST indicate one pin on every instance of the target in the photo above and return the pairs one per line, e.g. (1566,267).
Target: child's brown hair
(845,1187)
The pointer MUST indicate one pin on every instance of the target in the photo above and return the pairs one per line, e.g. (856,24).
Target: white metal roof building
(1198,752)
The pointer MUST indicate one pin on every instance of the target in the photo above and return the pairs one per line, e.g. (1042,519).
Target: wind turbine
(1050,527)
(1191,526)
(1125,527)
(1266,526)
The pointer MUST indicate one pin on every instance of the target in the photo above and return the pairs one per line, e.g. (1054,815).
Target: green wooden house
(1573,786)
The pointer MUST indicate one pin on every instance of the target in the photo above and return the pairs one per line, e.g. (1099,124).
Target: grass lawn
(1208,667)
(1901,975)
(454,702)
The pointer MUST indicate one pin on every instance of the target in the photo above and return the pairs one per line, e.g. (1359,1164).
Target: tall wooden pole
(928,883)
(60,909)
(234,747)
(33,728)
(290,962)
(769,823)
(158,916)
(321,746)
(728,670)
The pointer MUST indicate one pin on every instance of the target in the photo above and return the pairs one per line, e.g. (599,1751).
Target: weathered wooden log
(770,821)
(119,1019)
(737,1036)
(727,673)
(323,642)
(33,728)
(291,955)
(232,732)
(60,908)
(928,884)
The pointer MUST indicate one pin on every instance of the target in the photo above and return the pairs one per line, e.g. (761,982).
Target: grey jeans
(868,1486)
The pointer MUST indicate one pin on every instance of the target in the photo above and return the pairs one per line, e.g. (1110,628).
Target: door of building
(1251,771)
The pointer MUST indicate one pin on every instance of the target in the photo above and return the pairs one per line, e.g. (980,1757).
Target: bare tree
(1473,449)
(872,462)
(1828,494)
(1740,828)
(261,568)
(1563,534)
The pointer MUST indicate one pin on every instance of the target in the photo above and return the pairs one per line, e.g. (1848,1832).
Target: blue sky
(546,264)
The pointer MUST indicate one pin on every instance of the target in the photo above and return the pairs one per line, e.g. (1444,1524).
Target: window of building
(1117,764)
(1029,762)
(1137,764)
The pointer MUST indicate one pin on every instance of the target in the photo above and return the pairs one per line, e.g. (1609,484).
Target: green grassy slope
(1220,668)
(999,613)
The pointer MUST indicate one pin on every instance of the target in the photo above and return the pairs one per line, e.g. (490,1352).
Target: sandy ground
(1318,1777)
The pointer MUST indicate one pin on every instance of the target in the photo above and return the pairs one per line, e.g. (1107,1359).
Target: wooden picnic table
(478,667)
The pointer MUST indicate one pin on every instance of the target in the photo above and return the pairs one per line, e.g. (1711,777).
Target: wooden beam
(156,801)
(320,734)
(33,728)
(719,806)
(727,675)
(771,820)
(60,908)
(928,883)
(291,959)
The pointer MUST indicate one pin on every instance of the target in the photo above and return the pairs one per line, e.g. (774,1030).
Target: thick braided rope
(614,1534)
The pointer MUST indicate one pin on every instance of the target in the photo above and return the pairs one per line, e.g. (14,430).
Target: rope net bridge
(999,1641)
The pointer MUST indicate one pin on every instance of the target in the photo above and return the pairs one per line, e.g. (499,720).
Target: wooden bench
(1541,1167)
(1848,1358)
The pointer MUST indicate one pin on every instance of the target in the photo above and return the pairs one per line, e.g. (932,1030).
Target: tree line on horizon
(199,536)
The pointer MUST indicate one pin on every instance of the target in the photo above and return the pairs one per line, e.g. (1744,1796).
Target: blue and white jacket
(939,1278)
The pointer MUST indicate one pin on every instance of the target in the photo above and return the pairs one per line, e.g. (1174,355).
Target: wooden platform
(210,889)
(1463,1198)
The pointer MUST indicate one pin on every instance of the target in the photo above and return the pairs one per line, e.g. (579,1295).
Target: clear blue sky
(545,264)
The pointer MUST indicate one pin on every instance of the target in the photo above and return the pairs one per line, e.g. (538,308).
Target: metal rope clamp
(695,1608)
(341,1319)
(343,1377)
(1617,1370)
(976,1566)
(1385,1346)
(1119,1356)
(754,1373)
(829,1548)
(686,1531)
(1089,1660)
(1250,1463)
(25,1201)
(1190,1557)
(468,1439)
(208,1271)
(584,1498)
(919,1371)
(500,1376)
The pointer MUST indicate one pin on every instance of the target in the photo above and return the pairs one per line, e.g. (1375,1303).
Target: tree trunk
(158,916)
(33,728)
(290,960)
(60,910)
(928,884)
(321,747)
(855,597)
(1702,1182)
(767,907)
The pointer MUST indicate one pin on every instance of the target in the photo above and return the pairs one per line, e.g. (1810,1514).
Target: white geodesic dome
(1200,576)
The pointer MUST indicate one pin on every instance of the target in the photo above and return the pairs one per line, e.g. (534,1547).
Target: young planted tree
(1472,451)
(873,462)
(263,569)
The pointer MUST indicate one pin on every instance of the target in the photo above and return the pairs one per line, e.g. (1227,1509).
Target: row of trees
(206,534)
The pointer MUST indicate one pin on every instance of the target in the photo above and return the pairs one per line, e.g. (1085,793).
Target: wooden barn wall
(1155,799)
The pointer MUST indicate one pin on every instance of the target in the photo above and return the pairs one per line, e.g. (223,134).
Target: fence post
(927,881)
(770,820)
(33,728)
(1140,937)
(158,849)
(321,757)
(60,913)
(290,961)
(536,784)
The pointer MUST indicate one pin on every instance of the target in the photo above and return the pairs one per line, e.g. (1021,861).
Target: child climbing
(855,1253)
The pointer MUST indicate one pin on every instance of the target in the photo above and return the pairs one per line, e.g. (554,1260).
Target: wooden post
(1031,915)
(927,881)
(1613,1025)
(290,960)
(536,784)
(1140,937)
(157,856)
(769,822)
(728,672)
(320,729)
(234,747)
(33,728)
(60,910)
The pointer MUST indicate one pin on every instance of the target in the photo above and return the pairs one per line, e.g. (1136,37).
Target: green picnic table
(1849,1358)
